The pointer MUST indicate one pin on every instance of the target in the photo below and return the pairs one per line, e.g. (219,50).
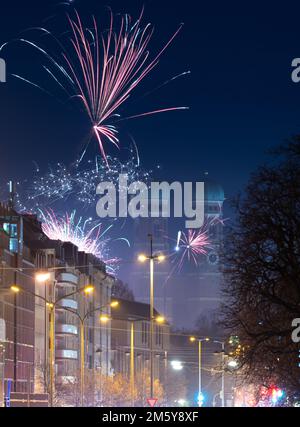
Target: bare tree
(122,290)
(262,273)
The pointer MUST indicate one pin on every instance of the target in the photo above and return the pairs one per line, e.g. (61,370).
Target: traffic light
(276,394)
(200,399)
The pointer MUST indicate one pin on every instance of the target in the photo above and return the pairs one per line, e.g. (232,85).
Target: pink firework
(87,237)
(193,244)
(103,69)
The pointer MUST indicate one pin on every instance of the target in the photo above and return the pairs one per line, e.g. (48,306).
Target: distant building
(137,313)
(139,280)
(193,292)
(18,311)
(196,289)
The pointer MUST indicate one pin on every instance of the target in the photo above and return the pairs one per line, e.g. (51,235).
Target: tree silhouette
(262,272)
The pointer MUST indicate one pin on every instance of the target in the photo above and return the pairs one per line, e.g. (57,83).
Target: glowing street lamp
(88,289)
(200,340)
(114,304)
(176,365)
(160,319)
(142,258)
(151,258)
(82,318)
(51,306)
(42,276)
(104,318)
(233,364)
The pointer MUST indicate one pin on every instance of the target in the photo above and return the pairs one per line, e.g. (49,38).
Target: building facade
(132,314)
(17,310)
(25,251)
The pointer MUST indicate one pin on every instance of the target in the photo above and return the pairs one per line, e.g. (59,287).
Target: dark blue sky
(240,92)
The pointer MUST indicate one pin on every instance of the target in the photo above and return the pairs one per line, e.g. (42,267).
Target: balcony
(66,355)
(66,329)
(68,303)
(67,279)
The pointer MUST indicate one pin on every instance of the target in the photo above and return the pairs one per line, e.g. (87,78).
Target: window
(145,332)
(90,333)
(12,231)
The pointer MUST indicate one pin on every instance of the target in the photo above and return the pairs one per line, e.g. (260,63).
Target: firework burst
(76,184)
(194,244)
(102,70)
(191,245)
(82,233)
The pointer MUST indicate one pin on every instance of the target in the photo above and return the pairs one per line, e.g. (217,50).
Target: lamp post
(132,360)
(51,307)
(82,320)
(158,320)
(222,343)
(151,258)
(43,277)
(200,340)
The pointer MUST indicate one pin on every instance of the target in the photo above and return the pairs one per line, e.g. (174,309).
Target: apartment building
(25,253)
(137,314)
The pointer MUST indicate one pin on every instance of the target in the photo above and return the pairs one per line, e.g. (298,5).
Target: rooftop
(133,310)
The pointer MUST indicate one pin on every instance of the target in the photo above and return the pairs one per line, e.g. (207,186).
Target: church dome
(213,192)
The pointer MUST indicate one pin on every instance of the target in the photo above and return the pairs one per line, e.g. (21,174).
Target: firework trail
(76,184)
(82,233)
(177,248)
(102,70)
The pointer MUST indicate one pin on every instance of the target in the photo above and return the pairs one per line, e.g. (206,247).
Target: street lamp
(200,340)
(176,365)
(233,364)
(82,319)
(104,319)
(114,304)
(51,304)
(222,343)
(151,258)
(42,276)
(88,289)
(160,319)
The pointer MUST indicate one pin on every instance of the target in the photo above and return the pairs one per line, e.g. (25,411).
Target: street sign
(152,402)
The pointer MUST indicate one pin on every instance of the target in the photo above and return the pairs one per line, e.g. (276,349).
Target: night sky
(240,91)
